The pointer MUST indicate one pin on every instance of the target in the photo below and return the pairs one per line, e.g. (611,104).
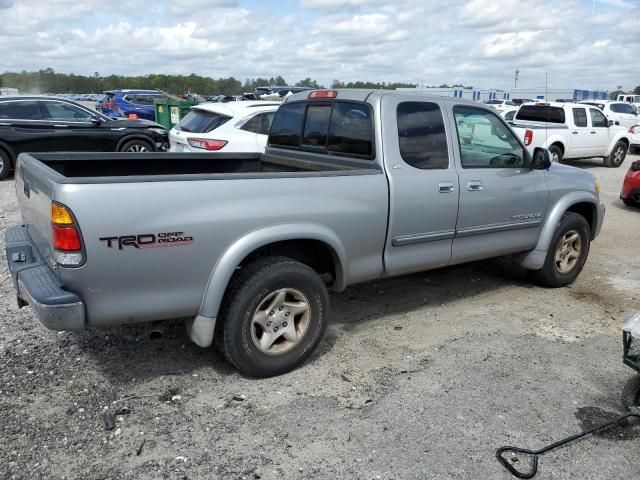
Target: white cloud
(475,42)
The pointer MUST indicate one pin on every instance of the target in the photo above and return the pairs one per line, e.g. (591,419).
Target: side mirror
(95,120)
(610,123)
(541,159)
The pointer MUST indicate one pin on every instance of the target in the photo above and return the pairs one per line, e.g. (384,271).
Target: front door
(598,133)
(74,130)
(423,185)
(580,134)
(502,201)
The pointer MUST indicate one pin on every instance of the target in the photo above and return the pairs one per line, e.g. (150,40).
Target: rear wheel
(567,252)
(617,155)
(136,146)
(5,165)
(274,316)
(628,202)
(556,153)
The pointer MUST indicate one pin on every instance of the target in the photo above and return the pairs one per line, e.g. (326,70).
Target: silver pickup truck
(354,185)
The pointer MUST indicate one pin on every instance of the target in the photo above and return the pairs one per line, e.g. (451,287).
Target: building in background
(9,91)
(482,95)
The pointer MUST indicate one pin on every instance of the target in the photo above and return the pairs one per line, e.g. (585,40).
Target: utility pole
(515,83)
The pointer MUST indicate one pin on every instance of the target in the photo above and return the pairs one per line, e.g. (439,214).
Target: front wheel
(617,155)
(567,252)
(136,146)
(5,165)
(274,316)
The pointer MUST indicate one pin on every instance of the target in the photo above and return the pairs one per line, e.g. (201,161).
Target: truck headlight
(159,131)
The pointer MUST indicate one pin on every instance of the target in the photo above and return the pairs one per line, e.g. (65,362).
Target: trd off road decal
(148,240)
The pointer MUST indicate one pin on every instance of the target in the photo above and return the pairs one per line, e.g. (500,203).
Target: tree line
(49,81)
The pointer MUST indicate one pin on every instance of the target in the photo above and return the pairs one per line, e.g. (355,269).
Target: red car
(630,193)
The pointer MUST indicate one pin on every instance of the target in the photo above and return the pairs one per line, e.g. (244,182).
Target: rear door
(502,201)
(24,126)
(423,184)
(74,130)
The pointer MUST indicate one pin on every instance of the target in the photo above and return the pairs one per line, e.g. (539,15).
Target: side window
(254,124)
(22,110)
(597,118)
(350,132)
(65,112)
(509,115)
(267,120)
(421,135)
(287,125)
(485,142)
(316,126)
(580,117)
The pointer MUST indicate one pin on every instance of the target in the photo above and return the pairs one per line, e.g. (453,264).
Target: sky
(580,44)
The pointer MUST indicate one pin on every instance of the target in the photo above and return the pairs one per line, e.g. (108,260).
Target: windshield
(493,102)
(541,113)
(201,121)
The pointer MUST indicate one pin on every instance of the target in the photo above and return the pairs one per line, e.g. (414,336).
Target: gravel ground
(422,376)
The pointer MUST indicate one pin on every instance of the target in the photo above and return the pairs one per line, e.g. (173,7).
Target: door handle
(474,185)
(575,133)
(592,133)
(445,187)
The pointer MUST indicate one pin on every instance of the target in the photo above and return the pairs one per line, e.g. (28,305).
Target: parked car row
(52,124)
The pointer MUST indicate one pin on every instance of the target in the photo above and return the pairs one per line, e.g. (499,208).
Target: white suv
(622,113)
(229,127)
(501,105)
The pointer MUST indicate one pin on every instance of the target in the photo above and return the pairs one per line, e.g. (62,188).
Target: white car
(508,114)
(634,137)
(501,105)
(632,99)
(228,127)
(622,113)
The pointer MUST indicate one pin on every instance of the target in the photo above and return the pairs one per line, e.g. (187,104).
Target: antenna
(546,99)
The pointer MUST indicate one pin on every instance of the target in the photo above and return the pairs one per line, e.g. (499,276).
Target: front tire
(617,155)
(136,146)
(5,165)
(274,315)
(567,252)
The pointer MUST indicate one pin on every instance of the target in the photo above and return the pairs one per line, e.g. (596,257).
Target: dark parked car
(46,124)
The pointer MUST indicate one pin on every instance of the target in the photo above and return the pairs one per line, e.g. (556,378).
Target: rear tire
(617,155)
(274,315)
(136,146)
(629,203)
(5,165)
(567,252)
(556,154)
(631,392)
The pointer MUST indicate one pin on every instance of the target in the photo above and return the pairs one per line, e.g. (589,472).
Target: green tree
(636,91)
(307,82)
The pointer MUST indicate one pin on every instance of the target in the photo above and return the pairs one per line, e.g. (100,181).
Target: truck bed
(144,167)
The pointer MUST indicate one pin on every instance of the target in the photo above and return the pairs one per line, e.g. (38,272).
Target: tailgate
(35,189)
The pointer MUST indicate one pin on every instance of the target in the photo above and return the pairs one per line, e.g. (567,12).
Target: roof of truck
(362,94)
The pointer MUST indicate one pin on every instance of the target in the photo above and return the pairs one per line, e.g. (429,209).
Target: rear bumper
(38,286)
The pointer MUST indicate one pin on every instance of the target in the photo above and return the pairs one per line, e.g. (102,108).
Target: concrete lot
(422,376)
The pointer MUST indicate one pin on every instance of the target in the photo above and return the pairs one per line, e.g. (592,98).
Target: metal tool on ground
(535,454)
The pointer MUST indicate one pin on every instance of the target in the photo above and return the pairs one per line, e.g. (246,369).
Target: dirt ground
(422,376)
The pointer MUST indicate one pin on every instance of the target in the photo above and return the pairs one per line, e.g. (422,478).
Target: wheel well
(625,141)
(313,253)
(559,145)
(588,211)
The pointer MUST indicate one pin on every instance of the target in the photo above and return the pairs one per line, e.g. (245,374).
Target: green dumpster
(170,111)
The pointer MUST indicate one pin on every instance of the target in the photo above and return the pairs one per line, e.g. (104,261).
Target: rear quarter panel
(139,284)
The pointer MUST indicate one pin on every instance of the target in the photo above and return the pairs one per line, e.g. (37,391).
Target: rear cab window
(541,113)
(421,135)
(580,117)
(201,121)
(339,127)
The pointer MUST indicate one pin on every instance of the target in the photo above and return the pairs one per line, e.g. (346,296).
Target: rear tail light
(528,137)
(206,144)
(323,94)
(634,129)
(67,240)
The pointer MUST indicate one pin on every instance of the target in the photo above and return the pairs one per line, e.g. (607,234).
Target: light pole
(515,83)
